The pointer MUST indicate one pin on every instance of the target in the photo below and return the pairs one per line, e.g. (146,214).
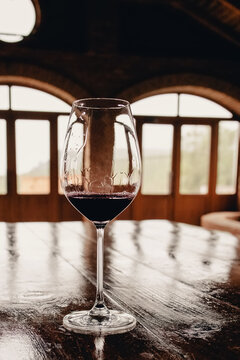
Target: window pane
(195,159)
(191,105)
(157,145)
(4,97)
(11,38)
(17,17)
(228,137)
(3,157)
(62,129)
(120,165)
(24,98)
(33,156)
(157,105)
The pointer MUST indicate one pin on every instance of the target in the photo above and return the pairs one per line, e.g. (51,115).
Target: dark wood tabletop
(181,282)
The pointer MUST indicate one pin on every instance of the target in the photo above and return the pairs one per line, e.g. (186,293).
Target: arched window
(190,156)
(32,128)
(18,19)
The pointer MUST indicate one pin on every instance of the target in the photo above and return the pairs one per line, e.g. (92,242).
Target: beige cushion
(223,220)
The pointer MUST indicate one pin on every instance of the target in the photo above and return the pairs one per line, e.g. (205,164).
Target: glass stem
(99,309)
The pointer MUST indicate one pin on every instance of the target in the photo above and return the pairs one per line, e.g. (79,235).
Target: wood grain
(181,282)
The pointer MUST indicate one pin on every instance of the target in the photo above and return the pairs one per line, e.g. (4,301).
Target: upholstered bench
(222,220)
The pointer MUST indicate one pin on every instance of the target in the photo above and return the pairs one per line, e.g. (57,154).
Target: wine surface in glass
(100,207)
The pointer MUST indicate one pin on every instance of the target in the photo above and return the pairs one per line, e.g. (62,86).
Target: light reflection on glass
(3,157)
(161,105)
(62,129)
(33,156)
(195,158)
(4,97)
(192,105)
(29,99)
(157,145)
(227,165)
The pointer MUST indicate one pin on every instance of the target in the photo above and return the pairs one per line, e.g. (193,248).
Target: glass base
(116,322)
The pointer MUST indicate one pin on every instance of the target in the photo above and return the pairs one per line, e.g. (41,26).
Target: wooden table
(181,282)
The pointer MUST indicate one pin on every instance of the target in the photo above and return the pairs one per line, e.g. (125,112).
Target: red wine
(100,208)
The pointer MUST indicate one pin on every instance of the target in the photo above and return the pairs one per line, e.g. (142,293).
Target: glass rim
(114,103)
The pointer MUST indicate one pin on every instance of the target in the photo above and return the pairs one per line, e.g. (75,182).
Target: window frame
(57,206)
(177,122)
(11,116)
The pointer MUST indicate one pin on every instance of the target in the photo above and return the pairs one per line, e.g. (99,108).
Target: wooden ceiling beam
(220,16)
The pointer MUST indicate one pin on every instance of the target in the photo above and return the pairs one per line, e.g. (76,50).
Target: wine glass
(100,176)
